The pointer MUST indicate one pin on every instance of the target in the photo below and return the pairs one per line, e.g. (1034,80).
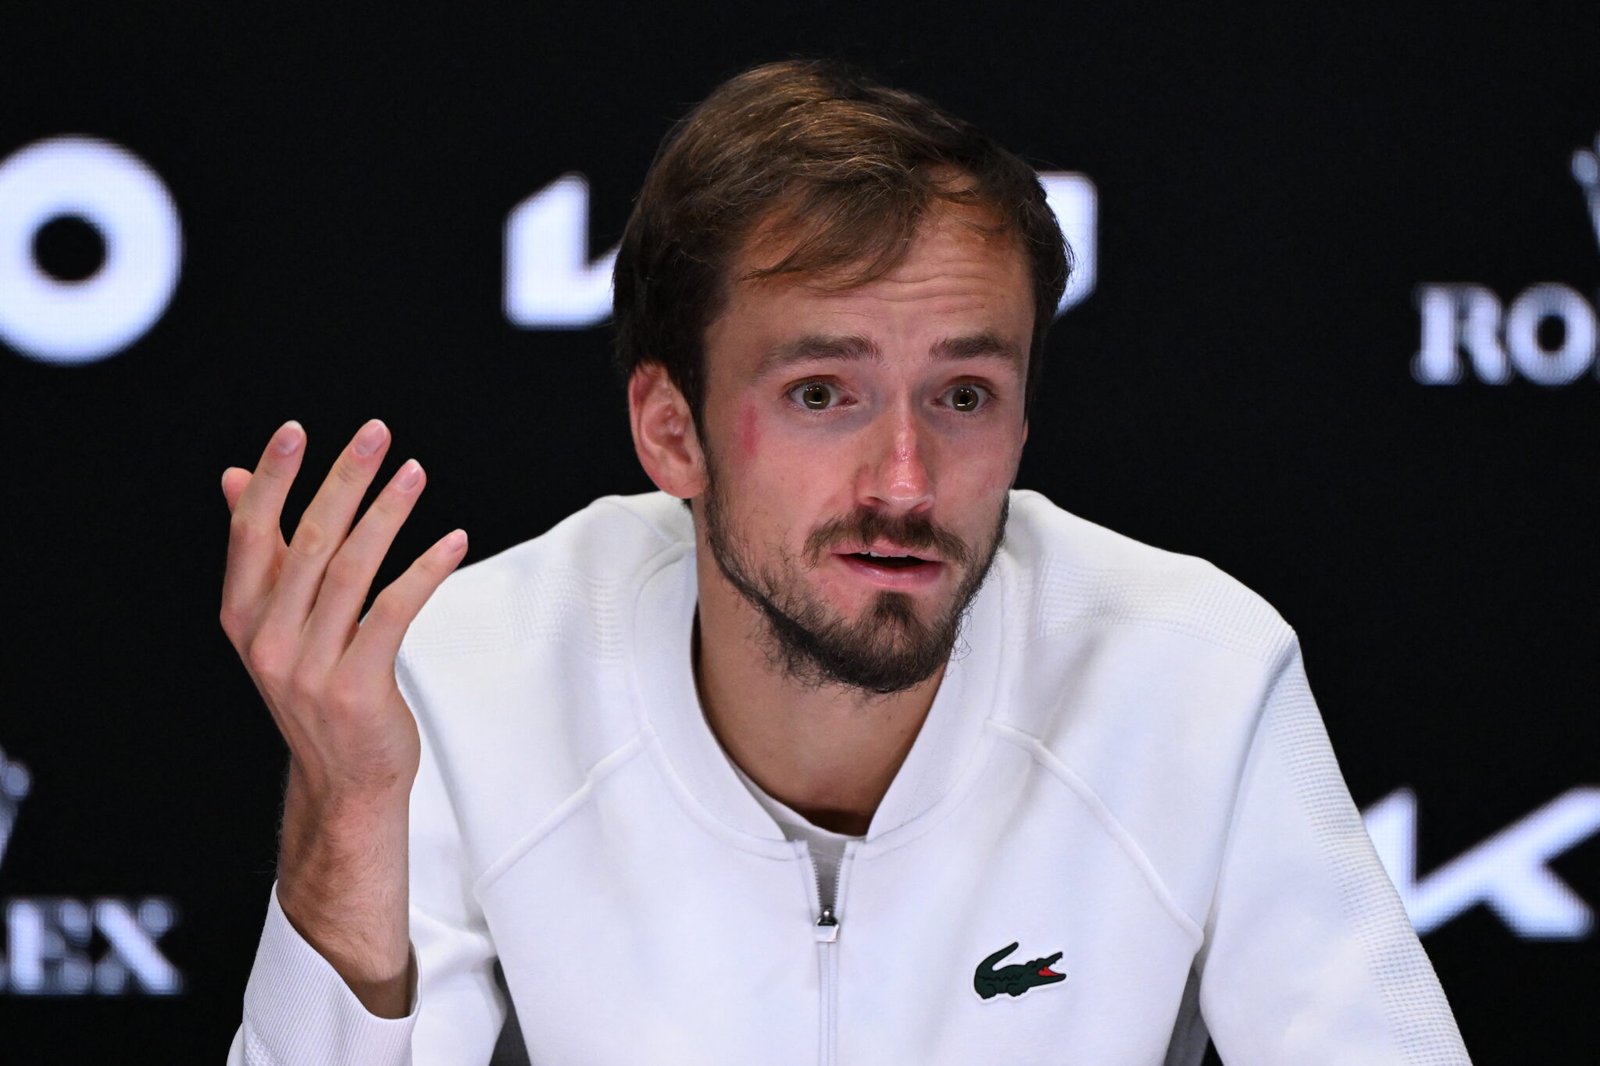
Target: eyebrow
(852,346)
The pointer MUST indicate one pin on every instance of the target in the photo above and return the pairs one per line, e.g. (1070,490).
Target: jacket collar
(669,709)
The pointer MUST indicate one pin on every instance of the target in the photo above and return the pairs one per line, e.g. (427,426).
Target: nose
(895,472)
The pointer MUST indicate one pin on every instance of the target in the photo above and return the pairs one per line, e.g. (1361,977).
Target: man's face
(859,448)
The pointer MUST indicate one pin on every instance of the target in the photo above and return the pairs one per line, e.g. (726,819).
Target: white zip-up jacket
(1121,826)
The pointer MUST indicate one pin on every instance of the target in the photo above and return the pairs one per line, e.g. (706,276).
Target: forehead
(814,253)
(960,276)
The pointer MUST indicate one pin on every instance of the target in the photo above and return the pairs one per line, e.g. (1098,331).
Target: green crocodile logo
(1016,979)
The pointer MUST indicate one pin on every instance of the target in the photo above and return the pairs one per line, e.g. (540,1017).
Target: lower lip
(919,576)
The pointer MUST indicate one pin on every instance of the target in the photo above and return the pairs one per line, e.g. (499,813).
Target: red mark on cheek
(749,435)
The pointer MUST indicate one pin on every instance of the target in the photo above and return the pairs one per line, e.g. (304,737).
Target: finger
(234,479)
(322,528)
(351,570)
(255,540)
(372,652)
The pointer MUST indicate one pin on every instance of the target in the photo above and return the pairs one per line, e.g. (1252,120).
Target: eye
(814,395)
(967,398)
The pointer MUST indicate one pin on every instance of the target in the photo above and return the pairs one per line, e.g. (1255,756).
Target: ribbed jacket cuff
(299,1010)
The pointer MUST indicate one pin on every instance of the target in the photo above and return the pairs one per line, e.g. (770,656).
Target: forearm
(343,885)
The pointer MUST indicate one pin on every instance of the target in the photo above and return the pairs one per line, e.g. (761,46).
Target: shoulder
(1065,574)
(517,671)
(560,583)
(1138,679)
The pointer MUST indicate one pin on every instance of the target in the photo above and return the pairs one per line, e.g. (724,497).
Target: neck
(828,752)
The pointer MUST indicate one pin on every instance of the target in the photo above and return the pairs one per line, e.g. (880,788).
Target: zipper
(826,934)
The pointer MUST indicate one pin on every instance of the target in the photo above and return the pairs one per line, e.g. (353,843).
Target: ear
(663,433)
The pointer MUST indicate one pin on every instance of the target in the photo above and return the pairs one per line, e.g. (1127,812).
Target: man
(862,757)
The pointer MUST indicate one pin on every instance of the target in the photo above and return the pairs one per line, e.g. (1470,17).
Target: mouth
(892,562)
(892,569)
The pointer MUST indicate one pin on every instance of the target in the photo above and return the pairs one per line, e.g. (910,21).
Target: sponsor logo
(1586,172)
(117,204)
(111,201)
(552,283)
(1509,872)
(67,946)
(1546,334)
(15,783)
(1014,980)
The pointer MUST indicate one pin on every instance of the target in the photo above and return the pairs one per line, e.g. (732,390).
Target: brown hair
(845,168)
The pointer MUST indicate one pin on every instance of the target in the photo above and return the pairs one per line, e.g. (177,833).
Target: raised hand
(292,612)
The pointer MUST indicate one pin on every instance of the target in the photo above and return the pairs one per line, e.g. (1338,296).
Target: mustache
(909,531)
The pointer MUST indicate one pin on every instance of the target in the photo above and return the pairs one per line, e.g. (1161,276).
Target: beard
(889,648)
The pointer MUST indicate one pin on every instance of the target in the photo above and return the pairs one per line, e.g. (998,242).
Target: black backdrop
(1277,189)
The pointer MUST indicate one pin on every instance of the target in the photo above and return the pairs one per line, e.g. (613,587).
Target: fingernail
(455,541)
(408,475)
(369,439)
(289,436)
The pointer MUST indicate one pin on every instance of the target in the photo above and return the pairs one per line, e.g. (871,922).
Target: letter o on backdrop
(113,190)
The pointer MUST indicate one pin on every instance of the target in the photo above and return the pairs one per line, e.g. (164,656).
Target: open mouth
(892,562)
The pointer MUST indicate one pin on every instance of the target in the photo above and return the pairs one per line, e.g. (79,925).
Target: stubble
(888,648)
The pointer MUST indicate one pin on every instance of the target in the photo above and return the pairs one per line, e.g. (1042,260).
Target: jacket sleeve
(1309,957)
(298,1010)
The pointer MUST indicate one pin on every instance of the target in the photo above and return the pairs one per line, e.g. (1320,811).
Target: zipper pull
(827,930)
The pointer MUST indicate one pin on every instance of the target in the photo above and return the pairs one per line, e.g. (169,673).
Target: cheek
(979,475)
(749,431)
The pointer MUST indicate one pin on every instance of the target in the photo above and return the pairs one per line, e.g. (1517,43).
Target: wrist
(338,801)
(343,884)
